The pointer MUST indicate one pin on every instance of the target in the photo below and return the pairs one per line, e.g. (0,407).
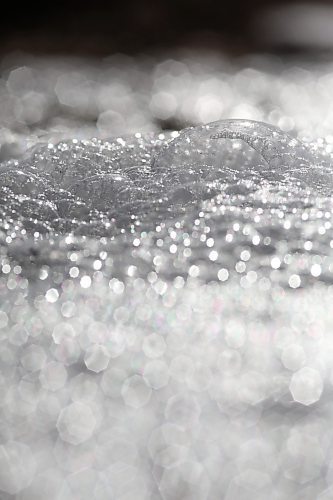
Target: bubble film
(165,317)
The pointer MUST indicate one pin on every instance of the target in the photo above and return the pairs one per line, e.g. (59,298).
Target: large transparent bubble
(207,153)
(89,186)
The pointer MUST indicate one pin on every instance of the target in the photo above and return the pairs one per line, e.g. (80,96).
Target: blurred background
(105,68)
(101,27)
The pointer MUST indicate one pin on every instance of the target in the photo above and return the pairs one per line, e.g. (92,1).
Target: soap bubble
(293,357)
(199,154)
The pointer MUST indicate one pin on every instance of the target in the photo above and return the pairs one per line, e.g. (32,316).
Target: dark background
(131,26)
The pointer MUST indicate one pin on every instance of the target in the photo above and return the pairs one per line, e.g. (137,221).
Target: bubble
(293,357)
(306,386)
(294,281)
(63,331)
(97,358)
(76,423)
(135,392)
(223,274)
(85,281)
(199,149)
(52,295)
